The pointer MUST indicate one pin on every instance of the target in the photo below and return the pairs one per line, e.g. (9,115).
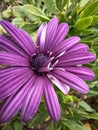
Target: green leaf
(83,3)
(30,27)
(51,6)
(74,125)
(83,23)
(88,39)
(82,32)
(95,41)
(31,12)
(17,125)
(26,1)
(94,91)
(95,20)
(50,126)
(7,13)
(40,118)
(86,106)
(92,116)
(96,73)
(92,9)
(61,3)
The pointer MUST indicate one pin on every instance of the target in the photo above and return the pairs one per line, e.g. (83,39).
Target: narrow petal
(51,32)
(5,70)
(42,39)
(14,102)
(82,72)
(13,59)
(62,86)
(76,59)
(62,31)
(14,83)
(41,28)
(21,37)
(71,80)
(8,73)
(28,40)
(51,100)
(78,48)
(9,46)
(32,100)
(67,44)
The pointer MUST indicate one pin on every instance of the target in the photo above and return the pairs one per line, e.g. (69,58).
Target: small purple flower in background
(31,68)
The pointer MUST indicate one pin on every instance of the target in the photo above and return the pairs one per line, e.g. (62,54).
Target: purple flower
(30,69)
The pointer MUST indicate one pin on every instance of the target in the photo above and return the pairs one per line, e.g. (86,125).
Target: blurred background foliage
(79,112)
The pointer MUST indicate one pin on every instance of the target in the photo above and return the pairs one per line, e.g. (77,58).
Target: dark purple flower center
(38,61)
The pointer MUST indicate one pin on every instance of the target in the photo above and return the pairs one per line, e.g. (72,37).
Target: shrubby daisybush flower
(32,69)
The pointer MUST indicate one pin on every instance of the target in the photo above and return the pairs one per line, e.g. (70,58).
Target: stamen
(45,69)
(55,63)
(61,54)
(60,69)
(49,52)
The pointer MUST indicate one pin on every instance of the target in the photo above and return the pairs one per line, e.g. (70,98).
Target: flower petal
(14,102)
(82,72)
(42,39)
(51,100)
(76,59)
(20,36)
(28,40)
(41,28)
(32,100)
(51,32)
(8,73)
(62,31)
(63,87)
(14,81)
(67,44)
(9,46)
(71,80)
(13,59)
(78,48)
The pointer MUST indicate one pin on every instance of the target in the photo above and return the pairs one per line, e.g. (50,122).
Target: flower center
(38,61)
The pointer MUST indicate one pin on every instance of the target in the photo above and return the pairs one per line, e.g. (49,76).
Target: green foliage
(92,9)
(51,6)
(74,125)
(31,12)
(83,23)
(95,20)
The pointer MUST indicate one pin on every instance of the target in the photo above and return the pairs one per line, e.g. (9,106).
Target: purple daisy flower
(31,68)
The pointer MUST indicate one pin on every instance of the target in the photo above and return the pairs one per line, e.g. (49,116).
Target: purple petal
(20,36)
(52,102)
(10,84)
(13,59)
(76,59)
(62,31)
(63,87)
(78,48)
(32,100)
(5,70)
(14,102)
(51,33)
(71,80)
(67,44)
(9,46)
(28,40)
(42,39)
(41,28)
(9,73)
(82,72)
